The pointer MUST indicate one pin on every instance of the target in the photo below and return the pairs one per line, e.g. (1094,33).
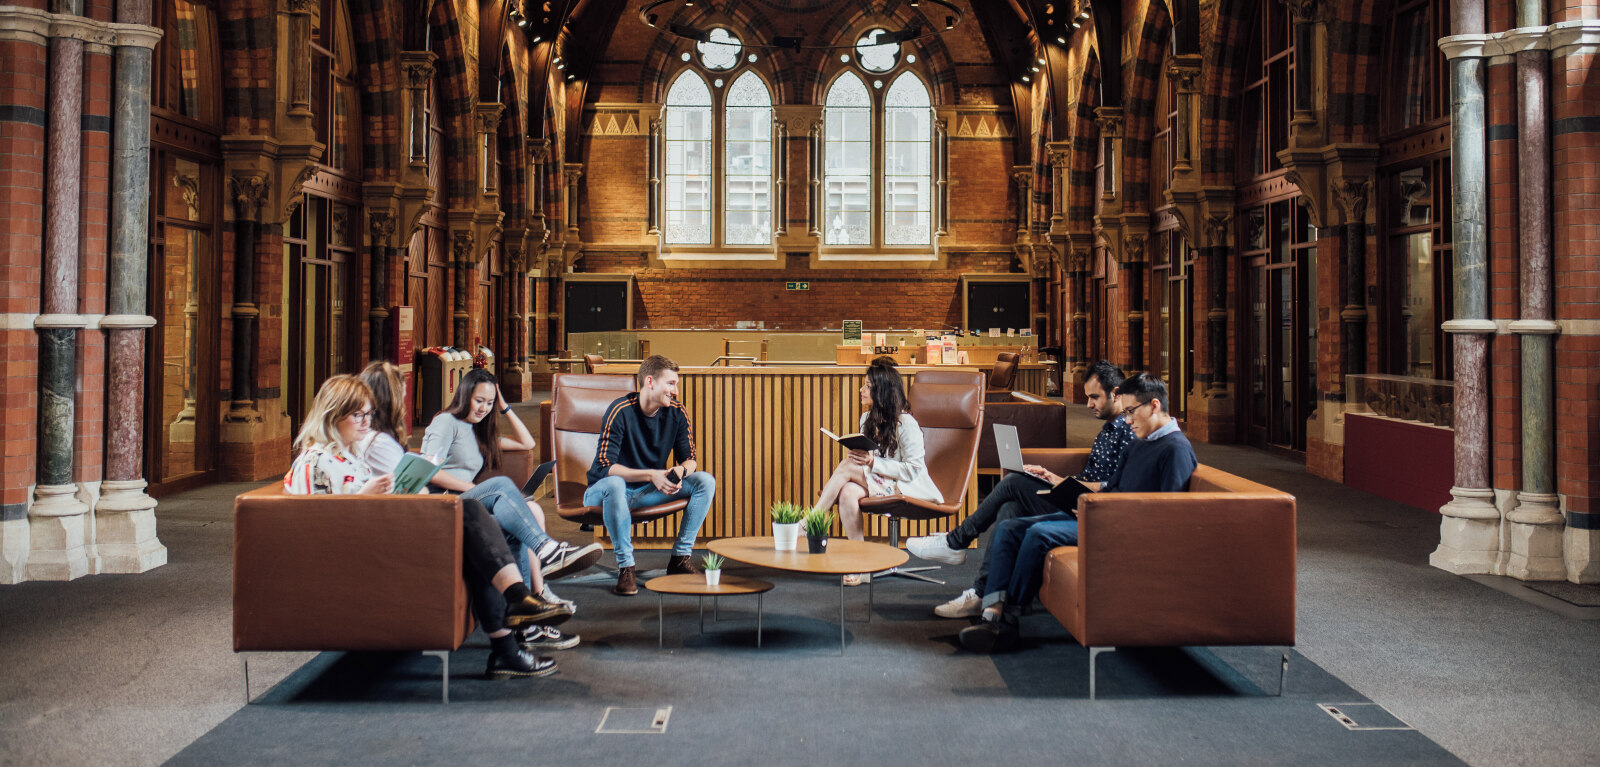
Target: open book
(412,473)
(1065,494)
(857,441)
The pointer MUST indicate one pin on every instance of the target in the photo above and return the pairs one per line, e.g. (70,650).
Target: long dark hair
(486,431)
(388,399)
(888,402)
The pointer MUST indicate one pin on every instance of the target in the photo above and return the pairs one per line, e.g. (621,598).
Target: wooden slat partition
(756,430)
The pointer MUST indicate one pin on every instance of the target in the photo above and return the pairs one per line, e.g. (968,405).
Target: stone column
(1304,13)
(1185,76)
(780,188)
(125,520)
(1535,525)
(300,65)
(380,227)
(462,258)
(249,196)
(59,525)
(1352,193)
(1060,165)
(1469,530)
(1110,121)
(652,204)
(418,66)
(941,177)
(1133,265)
(574,172)
(1220,227)
(814,152)
(1078,276)
(1023,176)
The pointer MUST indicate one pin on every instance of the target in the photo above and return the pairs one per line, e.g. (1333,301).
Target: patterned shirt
(323,469)
(1106,453)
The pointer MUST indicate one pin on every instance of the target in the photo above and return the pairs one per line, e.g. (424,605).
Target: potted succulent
(785,525)
(712,565)
(818,522)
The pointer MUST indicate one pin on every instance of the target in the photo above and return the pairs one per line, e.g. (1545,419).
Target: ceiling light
(1042,61)
(1034,68)
(538,39)
(1059,39)
(1026,79)
(1076,23)
(908,31)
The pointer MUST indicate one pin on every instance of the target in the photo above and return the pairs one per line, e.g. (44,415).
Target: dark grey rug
(903,693)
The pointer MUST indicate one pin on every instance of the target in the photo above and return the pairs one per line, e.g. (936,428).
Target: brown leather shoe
(682,565)
(627,582)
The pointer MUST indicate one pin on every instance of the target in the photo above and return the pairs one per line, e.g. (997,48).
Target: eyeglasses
(1128,413)
(361,415)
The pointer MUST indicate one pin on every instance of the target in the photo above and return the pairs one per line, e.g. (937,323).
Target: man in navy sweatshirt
(630,468)
(1160,460)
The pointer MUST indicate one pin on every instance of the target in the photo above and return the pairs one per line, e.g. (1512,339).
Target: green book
(412,474)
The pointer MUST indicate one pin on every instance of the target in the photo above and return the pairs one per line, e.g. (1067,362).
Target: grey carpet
(903,693)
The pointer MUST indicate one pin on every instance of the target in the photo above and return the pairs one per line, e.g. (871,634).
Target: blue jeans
(504,500)
(1016,568)
(615,499)
(1016,496)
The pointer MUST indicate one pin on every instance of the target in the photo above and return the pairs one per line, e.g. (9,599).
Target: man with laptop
(1161,460)
(1017,495)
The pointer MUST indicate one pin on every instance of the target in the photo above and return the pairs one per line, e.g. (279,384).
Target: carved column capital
(249,194)
(419,73)
(488,115)
(1023,177)
(1351,192)
(1185,76)
(1078,261)
(298,6)
(461,245)
(572,172)
(539,149)
(1133,248)
(1060,158)
(381,224)
(1218,227)
(1110,121)
(1302,11)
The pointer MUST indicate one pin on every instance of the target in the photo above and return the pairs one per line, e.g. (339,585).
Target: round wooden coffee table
(695,585)
(844,556)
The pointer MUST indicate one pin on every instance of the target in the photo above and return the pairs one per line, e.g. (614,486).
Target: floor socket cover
(1364,716)
(634,721)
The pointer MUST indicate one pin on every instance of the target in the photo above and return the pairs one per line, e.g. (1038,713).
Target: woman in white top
(333,460)
(897,467)
(465,437)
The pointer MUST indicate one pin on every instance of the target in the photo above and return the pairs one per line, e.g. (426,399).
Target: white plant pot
(784,536)
(713,577)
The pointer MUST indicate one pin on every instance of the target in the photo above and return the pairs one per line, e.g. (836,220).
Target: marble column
(574,172)
(1023,176)
(1220,227)
(1469,530)
(380,226)
(1535,525)
(125,519)
(60,527)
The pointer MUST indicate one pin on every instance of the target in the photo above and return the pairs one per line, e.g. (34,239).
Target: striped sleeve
(610,447)
(683,449)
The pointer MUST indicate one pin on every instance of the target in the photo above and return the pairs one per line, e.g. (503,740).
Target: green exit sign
(796,286)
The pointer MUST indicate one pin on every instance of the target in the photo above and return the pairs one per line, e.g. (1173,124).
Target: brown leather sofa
(1040,422)
(351,572)
(1211,566)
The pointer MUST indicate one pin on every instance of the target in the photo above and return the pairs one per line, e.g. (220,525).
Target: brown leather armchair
(948,405)
(1214,565)
(577,418)
(1003,376)
(620,385)
(592,361)
(346,573)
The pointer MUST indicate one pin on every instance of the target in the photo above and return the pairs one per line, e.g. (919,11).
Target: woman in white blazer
(897,467)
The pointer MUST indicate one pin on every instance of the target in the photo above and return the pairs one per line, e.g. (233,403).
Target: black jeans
(1016,496)
(483,553)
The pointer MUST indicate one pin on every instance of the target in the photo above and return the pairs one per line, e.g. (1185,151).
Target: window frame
(718,249)
(878,249)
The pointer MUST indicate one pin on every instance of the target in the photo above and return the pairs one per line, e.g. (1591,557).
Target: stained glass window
(721,51)
(875,56)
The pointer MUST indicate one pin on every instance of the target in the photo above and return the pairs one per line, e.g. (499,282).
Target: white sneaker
(935,548)
(964,606)
(549,595)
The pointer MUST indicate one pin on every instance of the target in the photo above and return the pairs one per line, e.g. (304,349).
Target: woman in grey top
(465,436)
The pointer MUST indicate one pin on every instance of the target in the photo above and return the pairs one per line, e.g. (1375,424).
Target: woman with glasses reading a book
(334,448)
(886,458)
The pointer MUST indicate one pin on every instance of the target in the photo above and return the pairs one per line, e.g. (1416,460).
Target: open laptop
(1009,446)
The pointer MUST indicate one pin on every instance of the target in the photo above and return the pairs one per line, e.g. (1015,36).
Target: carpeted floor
(903,693)
(139,670)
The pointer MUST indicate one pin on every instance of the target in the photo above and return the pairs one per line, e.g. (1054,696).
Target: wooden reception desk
(756,430)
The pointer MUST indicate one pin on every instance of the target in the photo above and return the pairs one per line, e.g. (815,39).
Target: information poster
(852,332)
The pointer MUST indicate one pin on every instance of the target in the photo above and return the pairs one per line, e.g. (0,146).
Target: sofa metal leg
(244,663)
(1283,673)
(444,658)
(1094,652)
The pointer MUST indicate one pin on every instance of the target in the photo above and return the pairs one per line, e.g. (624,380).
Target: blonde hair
(388,399)
(339,396)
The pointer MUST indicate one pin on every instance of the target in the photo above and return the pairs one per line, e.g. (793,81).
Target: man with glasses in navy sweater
(1159,461)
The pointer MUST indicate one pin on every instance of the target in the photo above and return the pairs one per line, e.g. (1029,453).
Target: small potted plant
(818,522)
(712,565)
(785,525)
